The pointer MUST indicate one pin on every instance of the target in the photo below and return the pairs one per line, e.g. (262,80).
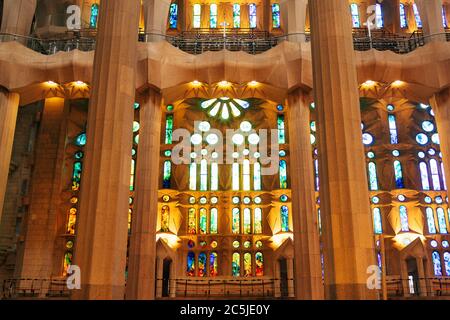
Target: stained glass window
(404,219)
(81,140)
(436,257)
(165,216)
(173,16)
(283,174)
(403,20)
(67,262)
(214,176)
(379,16)
(167,174)
(246,175)
(258,221)
(197,15)
(169,129)
(430,221)
(417,16)
(72,221)
(203,221)
(76,175)
(447,263)
(236,265)
(236,219)
(213,15)
(203,175)
(202,264)
(252,15)
(398,175)
(236,15)
(276,21)
(192,221)
(444,18)
(441,221)
(355,15)
(213,221)
(133,171)
(316,174)
(284,219)
(190,271)
(424,176)
(235,169)
(443,176)
(193,176)
(247,221)
(257,176)
(435,175)
(94,15)
(281,130)
(247,265)
(373,179)
(213,265)
(377,222)
(393,129)
(259,260)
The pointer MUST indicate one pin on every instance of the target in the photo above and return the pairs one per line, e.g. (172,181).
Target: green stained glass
(136,126)
(167,153)
(276,20)
(236,265)
(94,15)
(281,130)
(170,108)
(284,219)
(283,174)
(76,175)
(136,106)
(258,221)
(67,262)
(167,174)
(202,264)
(236,15)
(169,129)
(81,140)
(203,221)
(213,221)
(236,219)
(247,265)
(192,221)
(213,264)
(247,221)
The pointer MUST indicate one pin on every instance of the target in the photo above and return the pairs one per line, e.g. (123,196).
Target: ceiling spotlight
(397,83)
(369,83)
(196,83)
(80,83)
(224,84)
(51,83)
(253,83)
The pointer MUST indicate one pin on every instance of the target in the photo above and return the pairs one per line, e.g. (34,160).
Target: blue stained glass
(447,263)
(283,174)
(202,264)
(190,264)
(441,221)
(281,130)
(81,140)
(403,20)
(398,175)
(276,19)
(257,176)
(373,179)
(173,16)
(430,221)
(393,129)
(167,174)
(94,15)
(404,219)
(213,16)
(424,176)
(284,219)
(444,18)
(379,16)
(377,224)
(252,15)
(355,15)
(436,257)
(435,175)
(236,15)
(417,16)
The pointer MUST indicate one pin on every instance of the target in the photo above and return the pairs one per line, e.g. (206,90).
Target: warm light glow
(51,83)
(80,83)
(171,239)
(253,83)
(196,83)
(224,84)
(369,83)
(403,240)
(277,240)
(397,83)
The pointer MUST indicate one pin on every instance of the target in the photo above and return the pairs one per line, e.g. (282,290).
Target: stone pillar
(142,252)
(308,270)
(277,277)
(290,275)
(101,246)
(156,13)
(9,106)
(391,15)
(431,15)
(422,282)
(294,18)
(404,278)
(441,107)
(173,280)
(347,228)
(18,16)
(159,277)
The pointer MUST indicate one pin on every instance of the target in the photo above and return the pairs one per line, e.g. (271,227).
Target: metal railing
(433,287)
(34,289)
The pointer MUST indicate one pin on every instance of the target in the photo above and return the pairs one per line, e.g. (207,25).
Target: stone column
(101,247)
(173,280)
(9,106)
(441,107)
(142,252)
(159,277)
(404,278)
(422,282)
(294,18)
(277,277)
(431,15)
(290,275)
(18,16)
(391,15)
(347,228)
(308,270)
(156,13)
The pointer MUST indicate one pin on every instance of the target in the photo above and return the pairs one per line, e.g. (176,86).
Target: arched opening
(167,264)
(413,276)
(284,290)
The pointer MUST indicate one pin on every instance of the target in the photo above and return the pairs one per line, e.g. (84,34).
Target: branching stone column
(9,106)
(344,197)
(155,16)
(308,270)
(142,255)
(101,246)
(18,16)
(294,13)
(431,16)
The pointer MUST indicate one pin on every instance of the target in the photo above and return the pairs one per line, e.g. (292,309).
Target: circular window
(259,244)
(191,244)
(203,244)
(401,198)
(371,155)
(253,139)
(432,152)
(203,200)
(435,139)
(247,200)
(395,153)
(191,200)
(167,153)
(236,244)
(214,244)
(367,139)
(428,126)
(280,108)
(390,108)
(428,200)
(284,198)
(313,126)
(214,200)
(136,126)
(166,198)
(236,200)
(69,244)
(375,200)
(238,139)
(257,200)
(246,126)
(422,139)
(212,139)
(445,244)
(204,126)
(438,200)
(282,153)
(196,139)
(434,243)
(247,244)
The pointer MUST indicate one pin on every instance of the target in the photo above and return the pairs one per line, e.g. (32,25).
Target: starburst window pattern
(225,107)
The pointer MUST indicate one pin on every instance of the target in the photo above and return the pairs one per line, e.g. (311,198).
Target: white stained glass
(379,16)
(196,139)
(235,169)
(373,180)
(246,175)
(403,19)
(213,16)
(441,220)
(422,139)
(404,219)
(430,221)
(204,175)
(253,139)
(417,16)
(367,139)
(257,177)
(238,139)
(225,113)
(355,15)
(193,176)
(443,176)
(214,176)
(204,126)
(378,229)
(212,139)
(428,126)
(252,15)
(424,176)
(197,15)
(435,175)
(246,126)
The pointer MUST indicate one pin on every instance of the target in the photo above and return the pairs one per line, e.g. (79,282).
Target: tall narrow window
(398,175)
(247,221)
(213,15)
(257,177)
(441,221)
(202,264)
(355,15)
(246,175)
(430,221)
(444,18)
(247,264)
(236,221)
(213,265)
(193,176)
(190,268)
(213,221)
(447,263)
(281,130)
(424,176)
(377,222)
(404,219)
(283,174)
(76,175)
(214,176)
(443,176)
(403,19)
(417,16)
(197,15)
(204,175)
(94,15)
(133,171)
(259,261)
(192,221)
(165,216)
(252,15)
(435,175)
(284,219)
(167,174)
(203,221)
(373,179)
(379,16)
(235,172)
(393,129)
(173,16)
(236,15)
(316,174)
(169,129)
(258,221)
(236,265)
(276,19)
(437,267)
(68,256)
